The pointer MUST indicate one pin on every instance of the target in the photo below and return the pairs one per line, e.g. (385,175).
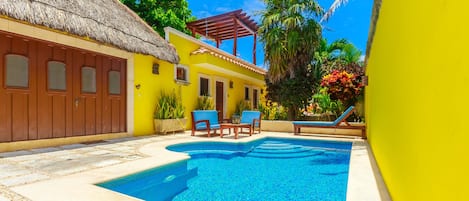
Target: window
(181,73)
(255,98)
(204,89)
(246,93)
(56,76)
(17,71)
(114,82)
(88,80)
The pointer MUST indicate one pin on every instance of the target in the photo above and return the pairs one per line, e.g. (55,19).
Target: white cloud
(203,14)
(223,9)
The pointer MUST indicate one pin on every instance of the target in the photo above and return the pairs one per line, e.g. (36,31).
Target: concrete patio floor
(69,172)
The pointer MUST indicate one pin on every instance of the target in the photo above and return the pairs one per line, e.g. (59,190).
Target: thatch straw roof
(106,21)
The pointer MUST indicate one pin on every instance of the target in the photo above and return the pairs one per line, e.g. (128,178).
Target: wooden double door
(52,91)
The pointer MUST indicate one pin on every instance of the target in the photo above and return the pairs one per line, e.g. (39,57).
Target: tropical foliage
(342,86)
(162,13)
(290,35)
(272,111)
(169,106)
(204,103)
(291,93)
(336,4)
(322,103)
(241,106)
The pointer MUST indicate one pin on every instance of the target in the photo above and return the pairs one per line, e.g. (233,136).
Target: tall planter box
(163,126)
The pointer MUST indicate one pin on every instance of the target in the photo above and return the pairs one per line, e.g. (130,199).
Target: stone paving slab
(29,166)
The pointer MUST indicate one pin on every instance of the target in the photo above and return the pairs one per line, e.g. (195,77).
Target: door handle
(77,101)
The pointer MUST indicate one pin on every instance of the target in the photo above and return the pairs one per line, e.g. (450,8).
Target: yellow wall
(184,47)
(151,84)
(417,113)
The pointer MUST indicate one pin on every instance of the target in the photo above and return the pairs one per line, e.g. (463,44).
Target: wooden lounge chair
(253,118)
(340,123)
(205,120)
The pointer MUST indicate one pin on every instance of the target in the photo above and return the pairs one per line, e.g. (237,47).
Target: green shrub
(273,111)
(326,104)
(241,106)
(169,106)
(204,103)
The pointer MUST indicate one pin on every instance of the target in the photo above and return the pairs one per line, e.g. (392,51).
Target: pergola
(232,25)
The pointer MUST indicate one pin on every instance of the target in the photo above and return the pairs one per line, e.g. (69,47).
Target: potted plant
(169,114)
(204,103)
(240,107)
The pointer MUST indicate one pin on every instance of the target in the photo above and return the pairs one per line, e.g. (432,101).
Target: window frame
(209,85)
(186,70)
(247,94)
(95,80)
(48,76)
(109,83)
(5,81)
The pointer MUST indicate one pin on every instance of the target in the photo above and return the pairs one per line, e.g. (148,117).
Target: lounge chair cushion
(210,115)
(247,117)
(325,123)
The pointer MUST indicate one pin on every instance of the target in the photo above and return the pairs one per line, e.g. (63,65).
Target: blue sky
(351,21)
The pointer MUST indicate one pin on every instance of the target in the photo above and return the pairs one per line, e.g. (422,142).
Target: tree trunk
(292,112)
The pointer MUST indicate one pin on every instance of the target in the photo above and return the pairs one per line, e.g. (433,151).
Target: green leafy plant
(241,106)
(169,106)
(204,103)
(342,86)
(325,103)
(272,111)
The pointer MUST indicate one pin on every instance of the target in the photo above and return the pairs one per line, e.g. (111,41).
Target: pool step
(223,154)
(272,149)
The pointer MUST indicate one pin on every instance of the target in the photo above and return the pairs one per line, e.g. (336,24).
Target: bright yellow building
(202,70)
(418,86)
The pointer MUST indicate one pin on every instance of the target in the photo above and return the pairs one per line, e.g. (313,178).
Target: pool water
(267,169)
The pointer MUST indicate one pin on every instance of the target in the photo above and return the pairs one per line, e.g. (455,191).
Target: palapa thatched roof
(106,21)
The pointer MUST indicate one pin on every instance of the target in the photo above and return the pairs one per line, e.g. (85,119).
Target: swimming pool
(266,169)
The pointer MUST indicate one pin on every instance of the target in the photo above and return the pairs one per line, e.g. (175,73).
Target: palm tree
(290,35)
(334,6)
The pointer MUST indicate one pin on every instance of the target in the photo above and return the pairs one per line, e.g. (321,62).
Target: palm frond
(332,9)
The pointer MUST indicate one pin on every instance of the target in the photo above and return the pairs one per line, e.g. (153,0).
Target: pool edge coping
(362,182)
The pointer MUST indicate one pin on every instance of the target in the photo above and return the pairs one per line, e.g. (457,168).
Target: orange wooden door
(18,96)
(54,91)
(114,95)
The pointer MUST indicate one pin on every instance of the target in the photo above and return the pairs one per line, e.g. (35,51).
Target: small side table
(235,128)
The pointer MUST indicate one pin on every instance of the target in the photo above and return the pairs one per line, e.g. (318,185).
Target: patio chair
(205,120)
(340,123)
(253,118)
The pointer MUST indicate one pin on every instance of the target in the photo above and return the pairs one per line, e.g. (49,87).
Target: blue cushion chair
(253,118)
(205,120)
(340,122)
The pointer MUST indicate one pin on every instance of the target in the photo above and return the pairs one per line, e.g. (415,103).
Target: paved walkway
(29,166)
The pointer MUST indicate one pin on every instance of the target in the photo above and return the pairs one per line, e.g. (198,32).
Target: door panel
(78,101)
(90,115)
(59,116)
(19,116)
(219,100)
